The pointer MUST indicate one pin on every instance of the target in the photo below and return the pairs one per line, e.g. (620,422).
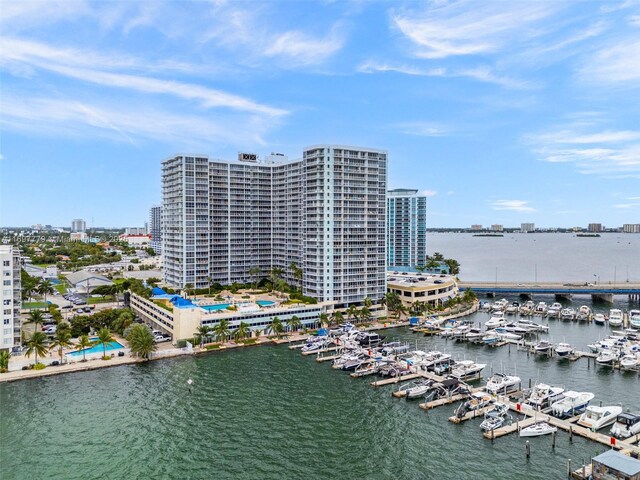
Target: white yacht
(466,369)
(596,418)
(416,388)
(584,313)
(537,429)
(532,326)
(544,395)
(490,337)
(554,310)
(599,319)
(627,424)
(630,361)
(607,357)
(564,350)
(572,404)
(500,305)
(527,308)
(496,320)
(543,347)
(474,333)
(513,308)
(568,313)
(495,417)
(634,318)
(615,317)
(477,400)
(499,383)
(541,308)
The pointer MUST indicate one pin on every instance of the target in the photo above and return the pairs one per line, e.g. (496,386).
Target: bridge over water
(603,292)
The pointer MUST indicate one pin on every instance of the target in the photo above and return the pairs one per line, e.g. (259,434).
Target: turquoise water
(305,421)
(265,303)
(96,349)
(212,308)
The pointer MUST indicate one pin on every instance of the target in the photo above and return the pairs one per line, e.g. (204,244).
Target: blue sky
(502,112)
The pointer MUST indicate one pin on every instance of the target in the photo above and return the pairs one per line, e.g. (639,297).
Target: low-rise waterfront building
(136,240)
(631,228)
(10,296)
(613,465)
(496,227)
(417,287)
(85,281)
(181,318)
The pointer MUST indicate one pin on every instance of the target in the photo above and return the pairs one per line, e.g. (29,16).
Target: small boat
(513,328)
(466,369)
(572,404)
(499,383)
(634,318)
(369,339)
(537,429)
(599,319)
(554,310)
(495,417)
(474,333)
(564,349)
(527,308)
(630,361)
(490,337)
(513,308)
(615,317)
(416,388)
(500,305)
(584,313)
(447,388)
(626,425)
(496,320)
(568,314)
(544,395)
(596,418)
(532,326)
(606,357)
(543,347)
(476,401)
(541,308)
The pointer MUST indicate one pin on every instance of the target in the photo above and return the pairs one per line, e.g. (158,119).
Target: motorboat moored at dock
(615,317)
(572,404)
(543,395)
(596,418)
(626,425)
(467,369)
(564,350)
(499,383)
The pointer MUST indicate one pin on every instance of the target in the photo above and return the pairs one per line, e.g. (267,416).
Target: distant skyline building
(476,227)
(595,227)
(496,227)
(631,228)
(10,297)
(223,221)
(406,228)
(155,228)
(527,227)
(136,230)
(78,225)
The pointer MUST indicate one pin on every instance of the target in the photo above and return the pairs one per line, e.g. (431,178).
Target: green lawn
(35,305)
(61,288)
(106,299)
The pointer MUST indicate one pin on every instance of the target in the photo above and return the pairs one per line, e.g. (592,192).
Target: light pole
(595,278)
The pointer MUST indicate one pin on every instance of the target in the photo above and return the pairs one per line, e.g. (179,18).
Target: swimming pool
(265,303)
(96,349)
(213,308)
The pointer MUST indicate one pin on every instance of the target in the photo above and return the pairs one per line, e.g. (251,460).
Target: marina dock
(402,378)
(469,415)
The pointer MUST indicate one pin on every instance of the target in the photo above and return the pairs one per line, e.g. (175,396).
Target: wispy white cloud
(423,129)
(450,192)
(429,193)
(444,29)
(593,149)
(626,205)
(297,47)
(614,64)
(481,73)
(513,205)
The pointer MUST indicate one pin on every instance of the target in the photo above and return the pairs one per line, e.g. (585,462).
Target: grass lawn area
(61,288)
(107,299)
(35,305)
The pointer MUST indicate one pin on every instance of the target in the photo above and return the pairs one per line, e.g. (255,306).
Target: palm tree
(365,314)
(294,323)
(337,317)
(187,288)
(276,326)
(367,302)
(124,321)
(242,331)
(104,337)
(45,288)
(61,340)
(275,276)
(221,330)
(118,288)
(141,341)
(5,355)
(254,273)
(352,312)
(209,283)
(296,273)
(203,333)
(36,317)
(84,342)
(37,344)
(324,319)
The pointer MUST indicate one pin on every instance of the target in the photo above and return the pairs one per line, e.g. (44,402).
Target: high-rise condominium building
(155,228)
(527,227)
(631,228)
(11,296)
(496,227)
(78,225)
(225,221)
(406,228)
(594,227)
